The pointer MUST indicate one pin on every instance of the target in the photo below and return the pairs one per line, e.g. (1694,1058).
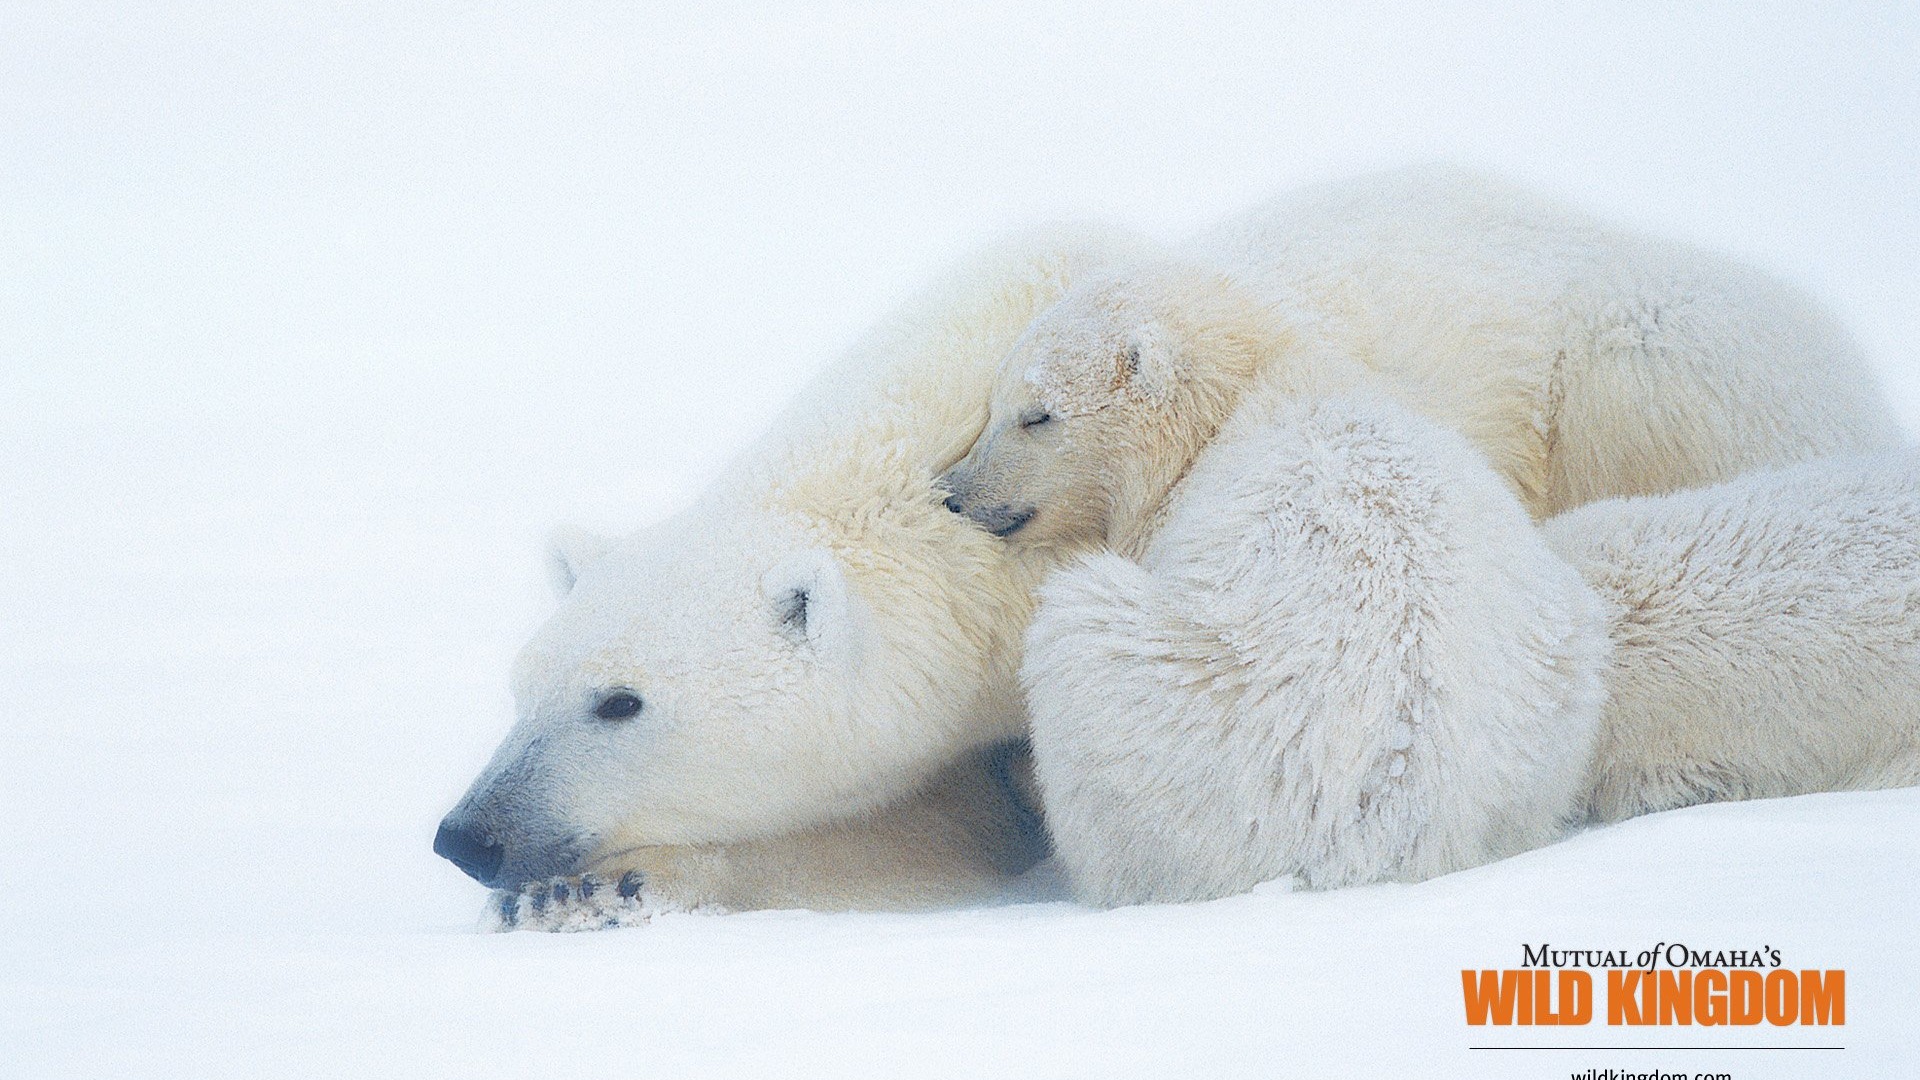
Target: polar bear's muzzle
(464,845)
(500,859)
(1002,521)
(983,499)
(506,830)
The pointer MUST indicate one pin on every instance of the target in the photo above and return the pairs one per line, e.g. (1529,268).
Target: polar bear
(1349,656)
(795,692)
(1586,363)
(802,690)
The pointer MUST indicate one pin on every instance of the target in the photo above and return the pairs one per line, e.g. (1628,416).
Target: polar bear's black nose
(954,504)
(467,849)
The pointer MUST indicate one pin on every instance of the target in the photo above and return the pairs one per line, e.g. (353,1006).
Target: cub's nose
(954,504)
(466,848)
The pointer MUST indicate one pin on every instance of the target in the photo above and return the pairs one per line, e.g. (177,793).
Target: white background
(316,319)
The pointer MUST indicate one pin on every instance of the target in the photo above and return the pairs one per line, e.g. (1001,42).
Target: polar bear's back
(1586,361)
(1683,368)
(1417,225)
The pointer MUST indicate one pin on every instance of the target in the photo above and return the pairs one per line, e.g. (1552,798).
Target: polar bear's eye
(1034,418)
(617,706)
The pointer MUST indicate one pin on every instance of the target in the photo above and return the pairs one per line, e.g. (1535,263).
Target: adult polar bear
(773,698)
(789,693)
(1584,363)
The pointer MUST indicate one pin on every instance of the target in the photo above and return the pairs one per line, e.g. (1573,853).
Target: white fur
(1580,361)
(1585,362)
(1235,709)
(818,643)
(780,760)
(1347,657)
(1766,634)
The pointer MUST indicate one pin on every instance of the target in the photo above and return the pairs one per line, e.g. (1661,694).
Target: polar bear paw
(565,905)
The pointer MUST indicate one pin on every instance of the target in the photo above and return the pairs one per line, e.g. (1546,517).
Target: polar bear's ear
(810,602)
(571,551)
(1147,363)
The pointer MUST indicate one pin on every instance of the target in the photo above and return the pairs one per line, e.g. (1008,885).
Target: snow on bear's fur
(1584,362)
(1349,656)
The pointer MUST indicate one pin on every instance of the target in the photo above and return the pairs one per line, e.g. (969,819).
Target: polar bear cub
(1585,363)
(1347,657)
(1113,392)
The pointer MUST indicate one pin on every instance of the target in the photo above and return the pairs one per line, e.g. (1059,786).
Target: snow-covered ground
(315,319)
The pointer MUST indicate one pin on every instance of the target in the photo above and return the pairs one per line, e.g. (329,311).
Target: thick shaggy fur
(1584,361)
(1766,634)
(1346,658)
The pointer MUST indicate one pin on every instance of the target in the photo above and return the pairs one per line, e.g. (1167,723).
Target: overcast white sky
(316,318)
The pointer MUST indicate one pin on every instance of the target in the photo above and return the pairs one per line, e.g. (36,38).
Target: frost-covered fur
(1766,634)
(1585,362)
(817,647)
(1347,657)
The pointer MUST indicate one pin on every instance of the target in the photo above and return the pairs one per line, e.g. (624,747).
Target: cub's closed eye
(1035,418)
(617,706)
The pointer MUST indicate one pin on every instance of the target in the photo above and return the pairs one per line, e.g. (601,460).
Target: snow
(315,320)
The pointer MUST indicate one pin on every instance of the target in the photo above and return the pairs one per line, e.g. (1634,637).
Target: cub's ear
(1147,363)
(811,603)
(569,552)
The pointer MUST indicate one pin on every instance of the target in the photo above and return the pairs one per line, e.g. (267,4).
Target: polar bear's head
(729,675)
(815,638)
(1104,401)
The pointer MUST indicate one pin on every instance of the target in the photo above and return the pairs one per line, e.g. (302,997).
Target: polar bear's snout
(1001,521)
(999,518)
(464,845)
(511,826)
(495,851)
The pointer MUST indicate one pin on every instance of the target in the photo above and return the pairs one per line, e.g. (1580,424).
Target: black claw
(588,886)
(630,884)
(508,905)
(539,899)
(560,892)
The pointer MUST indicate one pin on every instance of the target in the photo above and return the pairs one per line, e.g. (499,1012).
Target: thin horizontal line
(1715,1049)
(1711,1048)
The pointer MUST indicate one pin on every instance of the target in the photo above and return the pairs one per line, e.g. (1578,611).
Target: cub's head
(702,682)
(1103,403)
